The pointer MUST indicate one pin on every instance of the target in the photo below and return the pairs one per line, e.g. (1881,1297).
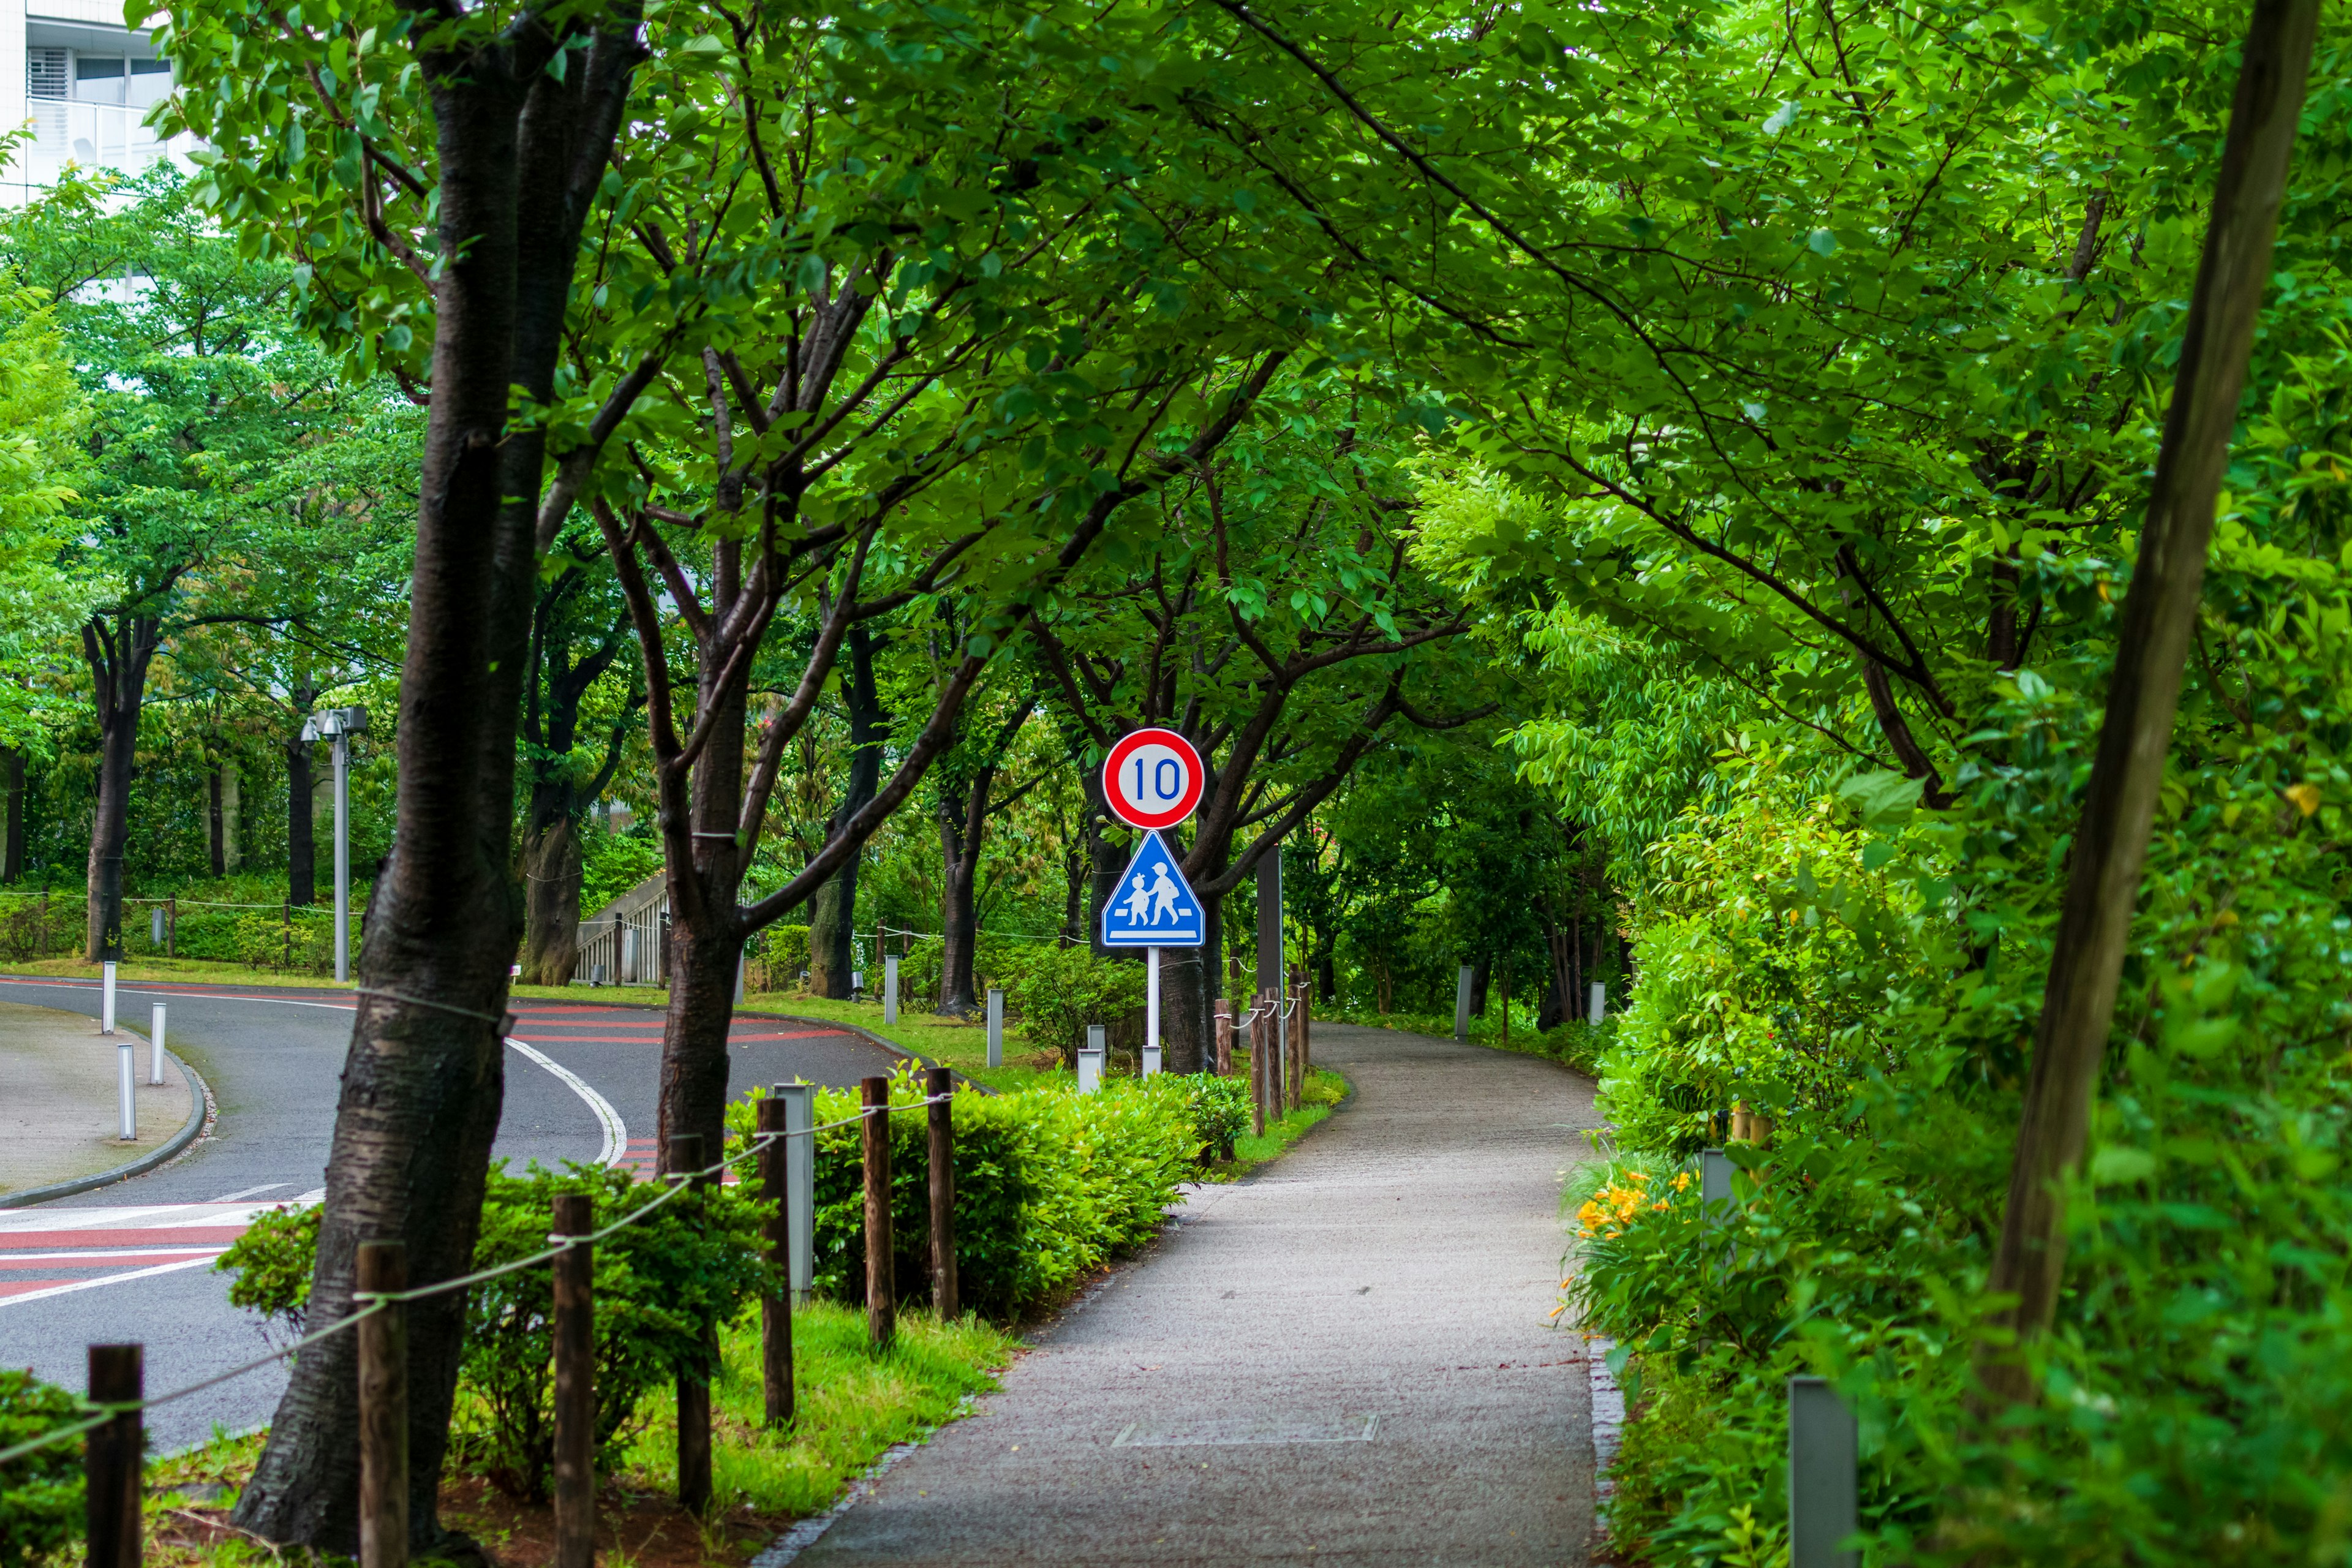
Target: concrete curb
(199,1097)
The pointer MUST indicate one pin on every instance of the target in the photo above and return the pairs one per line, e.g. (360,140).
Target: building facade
(83,82)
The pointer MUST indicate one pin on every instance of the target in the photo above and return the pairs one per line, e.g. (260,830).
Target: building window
(44,73)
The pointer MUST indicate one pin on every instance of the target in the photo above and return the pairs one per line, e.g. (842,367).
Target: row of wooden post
(114,1450)
(1280,1058)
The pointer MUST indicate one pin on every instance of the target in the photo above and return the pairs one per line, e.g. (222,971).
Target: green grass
(853,1405)
(1578,1044)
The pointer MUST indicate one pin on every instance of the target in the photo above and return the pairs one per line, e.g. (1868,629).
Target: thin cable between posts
(370,1302)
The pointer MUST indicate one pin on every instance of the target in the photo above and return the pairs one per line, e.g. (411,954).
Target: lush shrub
(660,1284)
(783,958)
(40,1494)
(1050,1185)
(1060,991)
(1219,1109)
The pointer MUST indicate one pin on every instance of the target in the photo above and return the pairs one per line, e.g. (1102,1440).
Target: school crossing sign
(1153,908)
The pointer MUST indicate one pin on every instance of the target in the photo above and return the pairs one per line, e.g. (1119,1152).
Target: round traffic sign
(1153,778)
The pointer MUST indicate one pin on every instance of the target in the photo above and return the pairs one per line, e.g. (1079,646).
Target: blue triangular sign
(1153,907)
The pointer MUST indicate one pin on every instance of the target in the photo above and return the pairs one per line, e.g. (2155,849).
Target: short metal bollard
(776,1310)
(106,1001)
(384,1408)
(995,1027)
(155,1048)
(1596,1005)
(1090,1061)
(111,1457)
(125,1104)
(1715,1186)
(1462,1002)
(890,988)
(800,1180)
(1824,1453)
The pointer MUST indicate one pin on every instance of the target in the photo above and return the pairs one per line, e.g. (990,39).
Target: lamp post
(339,725)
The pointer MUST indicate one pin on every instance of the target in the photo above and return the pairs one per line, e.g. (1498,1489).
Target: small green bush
(1060,991)
(1219,1109)
(40,1494)
(1050,1185)
(660,1285)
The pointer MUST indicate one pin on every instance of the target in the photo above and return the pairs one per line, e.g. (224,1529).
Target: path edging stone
(199,1095)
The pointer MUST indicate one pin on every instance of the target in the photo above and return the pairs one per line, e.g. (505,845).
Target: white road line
(616,1136)
(12,1259)
(7,1302)
(265,1187)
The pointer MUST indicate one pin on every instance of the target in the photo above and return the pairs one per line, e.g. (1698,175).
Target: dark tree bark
(560,802)
(215,822)
(302,828)
(833,914)
(119,648)
(2158,623)
(965,804)
(521,152)
(12,814)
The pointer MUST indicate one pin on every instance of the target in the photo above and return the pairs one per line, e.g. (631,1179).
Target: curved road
(129,1261)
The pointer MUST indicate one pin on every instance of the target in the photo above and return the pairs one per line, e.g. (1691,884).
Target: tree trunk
(232,816)
(2159,622)
(1482,972)
(1188,986)
(302,842)
(12,814)
(216,824)
(961,826)
(552,871)
(694,1067)
(520,153)
(119,657)
(833,913)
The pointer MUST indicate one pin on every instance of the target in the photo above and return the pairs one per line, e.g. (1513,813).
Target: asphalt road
(130,1261)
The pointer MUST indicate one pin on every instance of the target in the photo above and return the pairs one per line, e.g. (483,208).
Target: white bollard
(995,1027)
(155,928)
(1090,1061)
(106,1003)
(742,961)
(155,1046)
(799,1181)
(1824,1451)
(890,988)
(1597,1006)
(1715,1186)
(1461,1004)
(1152,1015)
(124,1072)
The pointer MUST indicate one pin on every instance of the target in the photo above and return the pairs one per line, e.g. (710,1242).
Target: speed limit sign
(1152,779)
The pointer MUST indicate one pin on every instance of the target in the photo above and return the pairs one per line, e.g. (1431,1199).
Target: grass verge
(853,1406)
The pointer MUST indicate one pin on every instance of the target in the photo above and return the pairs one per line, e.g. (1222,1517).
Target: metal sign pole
(1151,1015)
(342,854)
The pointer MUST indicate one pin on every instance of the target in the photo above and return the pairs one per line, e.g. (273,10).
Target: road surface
(132,1261)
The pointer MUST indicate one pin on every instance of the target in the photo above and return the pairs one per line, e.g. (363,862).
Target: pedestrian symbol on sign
(1153,908)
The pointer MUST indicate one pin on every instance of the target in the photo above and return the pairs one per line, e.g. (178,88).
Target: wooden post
(776,1310)
(1259,1065)
(110,1459)
(693,1383)
(939,1083)
(881,1287)
(384,1408)
(576,1386)
(1224,1068)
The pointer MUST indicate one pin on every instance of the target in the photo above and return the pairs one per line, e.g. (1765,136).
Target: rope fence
(114,1461)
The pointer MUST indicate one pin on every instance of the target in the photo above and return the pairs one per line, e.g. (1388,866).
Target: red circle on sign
(1153,778)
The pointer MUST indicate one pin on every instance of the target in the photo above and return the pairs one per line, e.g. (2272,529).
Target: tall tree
(438,225)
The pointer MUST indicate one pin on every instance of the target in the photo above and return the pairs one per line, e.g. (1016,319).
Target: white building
(84,81)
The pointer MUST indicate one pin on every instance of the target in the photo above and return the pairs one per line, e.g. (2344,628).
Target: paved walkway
(1349,1359)
(59,1114)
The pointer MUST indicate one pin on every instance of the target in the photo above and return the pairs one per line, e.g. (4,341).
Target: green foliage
(40,1494)
(1059,990)
(1050,1185)
(1219,1109)
(660,1284)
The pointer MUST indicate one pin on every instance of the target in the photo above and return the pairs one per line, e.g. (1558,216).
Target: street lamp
(339,725)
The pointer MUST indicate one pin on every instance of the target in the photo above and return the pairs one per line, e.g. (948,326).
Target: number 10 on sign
(1152,780)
